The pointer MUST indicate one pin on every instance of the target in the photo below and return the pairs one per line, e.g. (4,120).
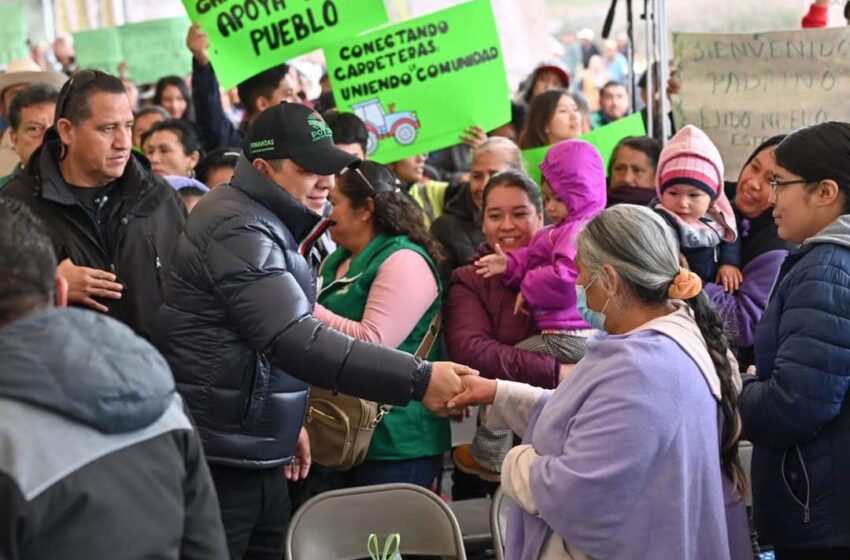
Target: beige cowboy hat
(25,71)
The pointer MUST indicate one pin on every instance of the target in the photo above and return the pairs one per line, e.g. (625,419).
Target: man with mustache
(113,223)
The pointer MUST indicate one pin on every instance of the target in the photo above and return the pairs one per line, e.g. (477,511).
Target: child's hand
(519,305)
(729,277)
(492,265)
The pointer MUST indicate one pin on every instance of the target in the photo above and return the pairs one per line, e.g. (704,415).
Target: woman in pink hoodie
(545,272)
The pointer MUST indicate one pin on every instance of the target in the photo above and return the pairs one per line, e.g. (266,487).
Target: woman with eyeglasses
(382,285)
(762,252)
(795,408)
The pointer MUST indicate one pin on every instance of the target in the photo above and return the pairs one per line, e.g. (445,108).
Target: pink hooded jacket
(545,271)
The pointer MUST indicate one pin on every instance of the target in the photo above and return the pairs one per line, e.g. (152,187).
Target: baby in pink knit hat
(689,185)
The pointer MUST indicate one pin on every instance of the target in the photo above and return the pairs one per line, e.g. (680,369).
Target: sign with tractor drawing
(418,85)
(382,124)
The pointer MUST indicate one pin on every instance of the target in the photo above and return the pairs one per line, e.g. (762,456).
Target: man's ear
(262,104)
(65,130)
(61,292)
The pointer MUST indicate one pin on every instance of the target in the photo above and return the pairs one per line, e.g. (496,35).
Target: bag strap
(430,336)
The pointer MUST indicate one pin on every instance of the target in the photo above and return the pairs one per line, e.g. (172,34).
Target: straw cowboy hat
(25,71)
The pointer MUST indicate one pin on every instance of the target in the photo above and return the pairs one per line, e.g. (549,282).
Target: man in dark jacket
(113,223)
(257,93)
(97,458)
(237,322)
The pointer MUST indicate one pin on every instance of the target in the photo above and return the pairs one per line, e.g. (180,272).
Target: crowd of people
(175,277)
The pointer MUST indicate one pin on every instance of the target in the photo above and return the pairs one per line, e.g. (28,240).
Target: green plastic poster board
(156,48)
(249,36)
(13,39)
(98,49)
(419,84)
(152,49)
(604,138)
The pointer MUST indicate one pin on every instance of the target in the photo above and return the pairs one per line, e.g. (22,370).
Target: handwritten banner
(604,139)
(151,49)
(250,36)
(419,84)
(744,88)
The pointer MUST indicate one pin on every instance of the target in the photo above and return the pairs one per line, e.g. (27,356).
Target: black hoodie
(459,229)
(97,457)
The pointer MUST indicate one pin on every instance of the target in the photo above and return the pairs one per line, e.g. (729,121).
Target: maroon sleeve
(470,338)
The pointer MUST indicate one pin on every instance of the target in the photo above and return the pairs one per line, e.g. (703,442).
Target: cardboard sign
(744,88)
(419,84)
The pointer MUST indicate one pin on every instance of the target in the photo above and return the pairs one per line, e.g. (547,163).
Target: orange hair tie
(685,285)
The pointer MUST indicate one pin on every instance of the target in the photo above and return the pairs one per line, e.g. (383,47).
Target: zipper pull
(158,264)
(807,515)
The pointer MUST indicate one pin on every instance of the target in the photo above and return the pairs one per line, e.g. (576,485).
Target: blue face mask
(596,319)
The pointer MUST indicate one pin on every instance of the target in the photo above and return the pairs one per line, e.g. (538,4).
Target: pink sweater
(402,292)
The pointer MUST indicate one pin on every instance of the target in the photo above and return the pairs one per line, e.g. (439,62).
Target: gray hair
(637,243)
(504,148)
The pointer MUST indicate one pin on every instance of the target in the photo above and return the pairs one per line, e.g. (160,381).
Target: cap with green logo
(296,132)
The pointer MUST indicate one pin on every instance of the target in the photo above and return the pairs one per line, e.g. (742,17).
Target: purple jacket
(545,271)
(762,253)
(480,330)
(629,460)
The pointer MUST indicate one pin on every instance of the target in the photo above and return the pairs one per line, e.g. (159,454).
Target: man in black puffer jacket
(237,322)
(114,224)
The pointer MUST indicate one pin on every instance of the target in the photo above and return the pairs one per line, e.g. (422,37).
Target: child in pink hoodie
(545,272)
(689,186)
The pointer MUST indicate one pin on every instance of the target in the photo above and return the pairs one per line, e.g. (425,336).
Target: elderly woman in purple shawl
(635,453)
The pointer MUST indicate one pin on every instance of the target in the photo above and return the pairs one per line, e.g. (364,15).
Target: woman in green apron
(382,285)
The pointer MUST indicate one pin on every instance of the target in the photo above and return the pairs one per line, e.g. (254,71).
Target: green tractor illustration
(402,126)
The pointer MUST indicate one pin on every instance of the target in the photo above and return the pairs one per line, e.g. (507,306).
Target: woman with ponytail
(635,453)
(796,410)
(382,285)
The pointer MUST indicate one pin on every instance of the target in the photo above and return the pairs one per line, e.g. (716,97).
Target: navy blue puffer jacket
(238,331)
(796,412)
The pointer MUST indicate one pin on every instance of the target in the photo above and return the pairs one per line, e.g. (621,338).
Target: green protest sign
(419,84)
(98,49)
(151,49)
(249,36)
(156,48)
(13,40)
(605,139)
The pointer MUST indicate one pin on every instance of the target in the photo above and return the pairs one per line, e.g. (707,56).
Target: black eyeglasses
(75,83)
(774,184)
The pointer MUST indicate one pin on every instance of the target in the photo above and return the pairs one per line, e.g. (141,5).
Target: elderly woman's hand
(476,390)
(492,265)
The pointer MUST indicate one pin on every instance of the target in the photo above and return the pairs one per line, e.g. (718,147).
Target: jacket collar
(304,224)
(837,233)
(461,206)
(53,186)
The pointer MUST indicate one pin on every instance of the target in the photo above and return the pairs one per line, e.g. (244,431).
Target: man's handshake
(453,387)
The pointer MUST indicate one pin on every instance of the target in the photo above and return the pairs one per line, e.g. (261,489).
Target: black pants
(255,510)
(812,553)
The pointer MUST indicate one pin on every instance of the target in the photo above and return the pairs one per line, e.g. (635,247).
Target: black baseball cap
(297,132)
